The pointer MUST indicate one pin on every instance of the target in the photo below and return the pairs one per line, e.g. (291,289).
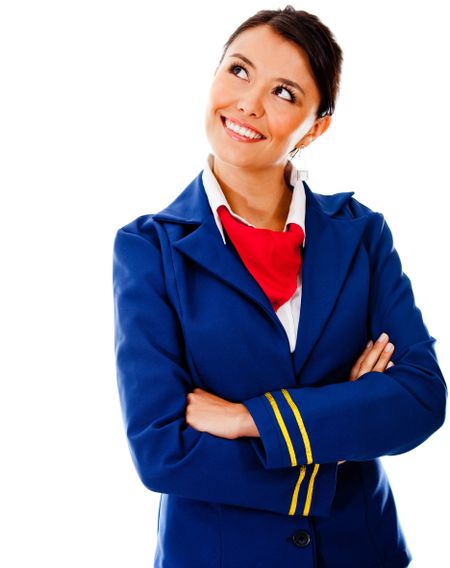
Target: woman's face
(265,84)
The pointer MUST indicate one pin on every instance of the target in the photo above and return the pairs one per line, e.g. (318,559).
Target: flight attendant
(269,350)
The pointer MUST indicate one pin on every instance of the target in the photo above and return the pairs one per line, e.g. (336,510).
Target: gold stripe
(310,490)
(283,428)
(297,489)
(295,410)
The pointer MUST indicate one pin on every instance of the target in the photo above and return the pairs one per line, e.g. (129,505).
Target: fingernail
(382,337)
(389,347)
(369,344)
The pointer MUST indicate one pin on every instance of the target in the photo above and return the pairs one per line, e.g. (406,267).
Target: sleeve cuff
(274,447)
(276,422)
(322,493)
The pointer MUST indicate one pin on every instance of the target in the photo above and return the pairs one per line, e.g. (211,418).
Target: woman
(263,442)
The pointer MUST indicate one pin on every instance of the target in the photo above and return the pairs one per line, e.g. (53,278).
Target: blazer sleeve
(381,413)
(153,381)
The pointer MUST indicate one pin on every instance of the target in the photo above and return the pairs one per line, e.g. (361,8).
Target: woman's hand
(210,413)
(373,358)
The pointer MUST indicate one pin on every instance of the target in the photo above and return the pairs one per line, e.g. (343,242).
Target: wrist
(246,424)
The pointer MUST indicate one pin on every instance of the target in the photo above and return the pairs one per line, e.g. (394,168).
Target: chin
(236,159)
(237,156)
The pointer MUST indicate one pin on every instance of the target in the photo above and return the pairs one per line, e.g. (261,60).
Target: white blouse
(289,312)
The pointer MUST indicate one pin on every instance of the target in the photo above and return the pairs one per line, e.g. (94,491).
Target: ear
(317,129)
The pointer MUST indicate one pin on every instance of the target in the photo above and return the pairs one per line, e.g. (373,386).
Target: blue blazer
(188,313)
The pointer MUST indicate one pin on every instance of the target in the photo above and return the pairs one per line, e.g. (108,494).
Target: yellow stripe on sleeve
(297,489)
(283,428)
(301,425)
(310,489)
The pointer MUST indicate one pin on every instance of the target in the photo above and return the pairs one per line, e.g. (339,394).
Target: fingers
(375,357)
(357,365)
(379,356)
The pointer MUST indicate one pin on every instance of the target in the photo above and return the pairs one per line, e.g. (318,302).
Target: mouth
(241,131)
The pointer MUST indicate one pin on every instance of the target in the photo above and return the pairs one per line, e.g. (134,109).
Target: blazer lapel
(330,246)
(205,247)
(331,243)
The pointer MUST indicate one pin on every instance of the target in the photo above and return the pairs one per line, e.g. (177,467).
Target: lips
(243,125)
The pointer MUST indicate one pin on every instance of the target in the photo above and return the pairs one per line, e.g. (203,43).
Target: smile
(241,132)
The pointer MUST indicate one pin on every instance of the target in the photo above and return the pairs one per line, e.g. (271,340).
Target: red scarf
(272,257)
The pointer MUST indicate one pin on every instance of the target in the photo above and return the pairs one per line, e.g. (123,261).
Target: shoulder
(377,235)
(137,249)
(346,208)
(349,206)
(358,210)
(343,205)
(340,205)
(142,227)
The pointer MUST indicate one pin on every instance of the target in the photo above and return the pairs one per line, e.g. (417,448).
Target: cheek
(281,126)
(221,94)
(294,127)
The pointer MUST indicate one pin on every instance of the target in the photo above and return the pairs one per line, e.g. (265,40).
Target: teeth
(242,131)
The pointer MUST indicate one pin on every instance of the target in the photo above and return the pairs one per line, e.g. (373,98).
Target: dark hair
(316,39)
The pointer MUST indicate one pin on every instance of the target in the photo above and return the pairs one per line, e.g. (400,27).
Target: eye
(292,97)
(234,66)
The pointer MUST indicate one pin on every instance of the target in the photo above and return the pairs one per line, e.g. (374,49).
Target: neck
(262,196)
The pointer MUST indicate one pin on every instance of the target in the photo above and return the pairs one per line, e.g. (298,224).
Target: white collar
(216,197)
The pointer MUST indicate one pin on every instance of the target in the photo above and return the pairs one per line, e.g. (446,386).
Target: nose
(250,103)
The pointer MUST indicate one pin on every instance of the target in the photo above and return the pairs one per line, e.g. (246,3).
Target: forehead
(273,54)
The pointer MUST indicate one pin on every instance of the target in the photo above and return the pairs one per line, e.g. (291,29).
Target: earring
(296,151)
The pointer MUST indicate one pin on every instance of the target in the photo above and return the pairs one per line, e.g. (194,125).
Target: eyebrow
(281,79)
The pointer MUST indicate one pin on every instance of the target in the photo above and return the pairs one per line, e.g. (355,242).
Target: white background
(101,111)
